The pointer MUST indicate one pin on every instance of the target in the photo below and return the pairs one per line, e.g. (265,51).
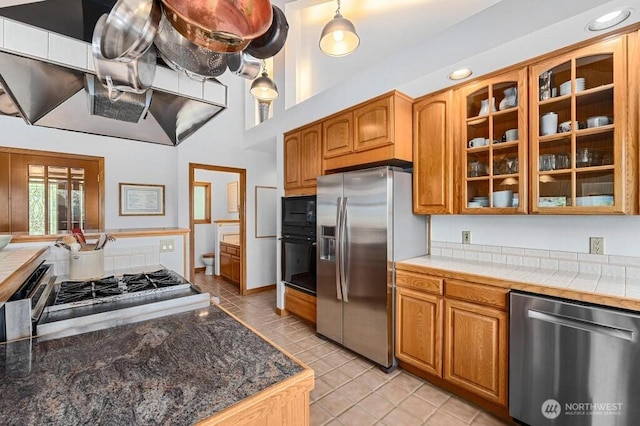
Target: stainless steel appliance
(573,363)
(24,308)
(82,306)
(364,224)
(298,259)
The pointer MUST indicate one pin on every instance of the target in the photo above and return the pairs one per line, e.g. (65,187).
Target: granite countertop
(172,370)
(590,287)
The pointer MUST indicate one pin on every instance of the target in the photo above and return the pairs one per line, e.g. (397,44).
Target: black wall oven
(299,243)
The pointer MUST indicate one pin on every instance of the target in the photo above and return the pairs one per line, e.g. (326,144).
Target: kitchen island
(195,366)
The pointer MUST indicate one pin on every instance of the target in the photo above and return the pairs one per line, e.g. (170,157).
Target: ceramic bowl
(565,126)
(502,198)
(4,240)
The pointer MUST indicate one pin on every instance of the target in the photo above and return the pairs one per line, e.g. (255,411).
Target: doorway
(225,197)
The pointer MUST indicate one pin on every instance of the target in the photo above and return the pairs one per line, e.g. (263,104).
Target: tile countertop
(617,292)
(173,370)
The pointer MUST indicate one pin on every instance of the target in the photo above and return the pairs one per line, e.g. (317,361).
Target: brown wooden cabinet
(454,330)
(476,339)
(230,262)
(579,165)
(302,162)
(419,329)
(300,304)
(337,135)
(433,168)
(376,131)
(493,144)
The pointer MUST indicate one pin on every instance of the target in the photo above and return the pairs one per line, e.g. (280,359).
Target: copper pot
(220,25)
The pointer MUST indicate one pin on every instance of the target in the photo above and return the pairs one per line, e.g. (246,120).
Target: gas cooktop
(84,306)
(91,290)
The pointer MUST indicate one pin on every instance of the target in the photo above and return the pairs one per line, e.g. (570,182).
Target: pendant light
(339,36)
(263,88)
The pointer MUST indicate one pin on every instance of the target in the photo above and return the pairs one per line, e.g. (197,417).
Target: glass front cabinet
(579,135)
(494,144)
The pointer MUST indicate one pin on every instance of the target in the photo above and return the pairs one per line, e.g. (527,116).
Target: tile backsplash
(584,263)
(115,258)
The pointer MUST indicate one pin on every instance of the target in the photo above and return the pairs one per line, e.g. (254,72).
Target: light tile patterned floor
(349,389)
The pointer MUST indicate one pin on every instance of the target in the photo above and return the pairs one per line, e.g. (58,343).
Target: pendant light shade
(339,37)
(263,88)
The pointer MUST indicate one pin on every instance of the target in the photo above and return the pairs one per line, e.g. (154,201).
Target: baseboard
(259,289)
(282,312)
(196,270)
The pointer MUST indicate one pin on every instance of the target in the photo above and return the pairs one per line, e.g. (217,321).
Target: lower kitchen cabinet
(419,329)
(476,356)
(300,304)
(455,331)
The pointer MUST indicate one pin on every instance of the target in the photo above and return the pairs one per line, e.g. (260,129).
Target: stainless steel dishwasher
(573,363)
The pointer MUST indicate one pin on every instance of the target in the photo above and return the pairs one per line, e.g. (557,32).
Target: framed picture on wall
(233,197)
(141,200)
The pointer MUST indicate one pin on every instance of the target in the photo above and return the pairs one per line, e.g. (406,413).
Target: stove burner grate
(75,291)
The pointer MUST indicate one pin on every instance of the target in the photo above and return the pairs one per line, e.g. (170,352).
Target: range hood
(52,94)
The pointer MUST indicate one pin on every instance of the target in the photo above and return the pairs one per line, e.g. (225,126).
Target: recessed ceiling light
(609,20)
(460,74)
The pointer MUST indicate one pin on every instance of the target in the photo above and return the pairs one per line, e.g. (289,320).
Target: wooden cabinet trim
(420,282)
(477,293)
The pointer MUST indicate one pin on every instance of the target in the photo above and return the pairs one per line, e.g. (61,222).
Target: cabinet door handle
(581,324)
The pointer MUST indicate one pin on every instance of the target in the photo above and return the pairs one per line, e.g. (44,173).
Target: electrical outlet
(466,237)
(167,246)
(596,245)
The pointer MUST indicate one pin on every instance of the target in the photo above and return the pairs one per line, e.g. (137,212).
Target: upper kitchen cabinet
(493,144)
(302,163)
(375,132)
(433,154)
(581,139)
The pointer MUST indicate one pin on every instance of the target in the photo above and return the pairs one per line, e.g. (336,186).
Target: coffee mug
(549,124)
(511,135)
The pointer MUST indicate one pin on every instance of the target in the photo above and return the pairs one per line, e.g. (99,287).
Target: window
(49,193)
(201,202)
(56,199)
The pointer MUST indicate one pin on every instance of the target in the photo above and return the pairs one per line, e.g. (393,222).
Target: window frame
(16,160)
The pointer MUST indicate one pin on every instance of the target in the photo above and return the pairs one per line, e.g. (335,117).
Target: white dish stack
(565,88)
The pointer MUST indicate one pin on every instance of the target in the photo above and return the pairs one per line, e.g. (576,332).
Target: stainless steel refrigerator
(364,224)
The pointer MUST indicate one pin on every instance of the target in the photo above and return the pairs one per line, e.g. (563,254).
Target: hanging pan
(272,41)
(130,29)
(220,25)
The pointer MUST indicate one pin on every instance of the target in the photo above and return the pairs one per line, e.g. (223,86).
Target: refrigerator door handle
(343,250)
(338,254)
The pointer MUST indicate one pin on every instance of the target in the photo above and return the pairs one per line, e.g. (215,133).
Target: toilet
(208,259)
